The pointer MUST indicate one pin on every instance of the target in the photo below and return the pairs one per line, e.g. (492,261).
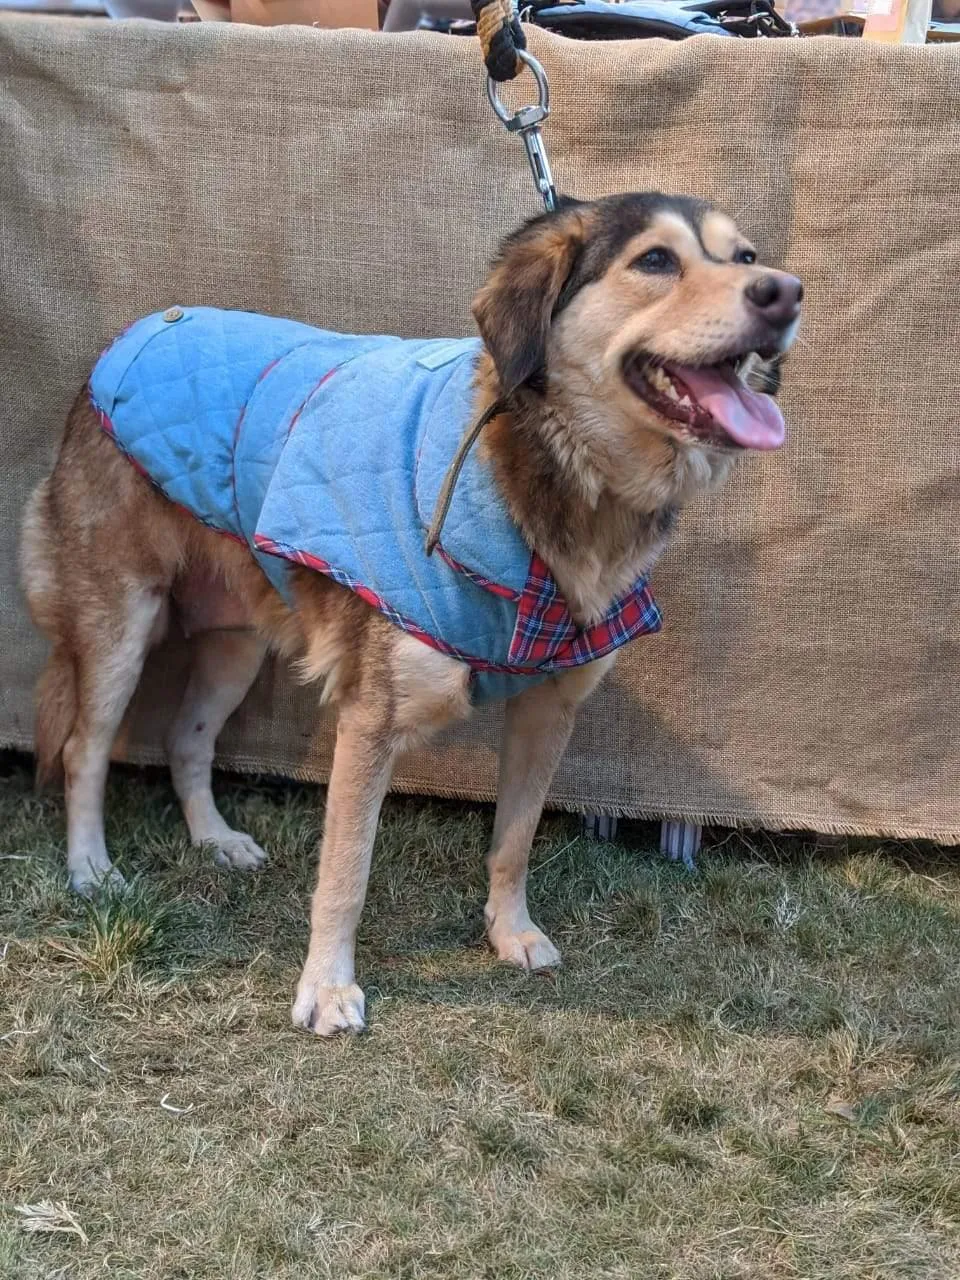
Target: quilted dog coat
(329,450)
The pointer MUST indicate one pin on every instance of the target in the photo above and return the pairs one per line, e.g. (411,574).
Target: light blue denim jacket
(329,450)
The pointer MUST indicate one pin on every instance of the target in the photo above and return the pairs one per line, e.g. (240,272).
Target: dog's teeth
(661,381)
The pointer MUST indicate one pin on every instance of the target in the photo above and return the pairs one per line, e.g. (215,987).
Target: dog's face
(654,310)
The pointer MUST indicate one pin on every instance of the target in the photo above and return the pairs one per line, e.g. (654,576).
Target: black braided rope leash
(501,36)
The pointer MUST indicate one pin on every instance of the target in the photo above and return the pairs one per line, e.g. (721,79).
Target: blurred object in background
(310,13)
(889,21)
(56,8)
(159,10)
(805,11)
(944,21)
(407,15)
(671,19)
(897,21)
(307,13)
(825,17)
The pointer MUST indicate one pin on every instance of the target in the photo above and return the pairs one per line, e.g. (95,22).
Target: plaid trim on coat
(546,634)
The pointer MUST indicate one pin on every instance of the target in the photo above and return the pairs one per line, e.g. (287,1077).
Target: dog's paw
(90,881)
(238,851)
(526,948)
(326,1011)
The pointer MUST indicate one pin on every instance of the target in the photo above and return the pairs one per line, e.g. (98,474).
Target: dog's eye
(746,257)
(657,262)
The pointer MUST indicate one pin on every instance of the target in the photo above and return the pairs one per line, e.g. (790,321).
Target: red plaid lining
(504,592)
(273,548)
(547,636)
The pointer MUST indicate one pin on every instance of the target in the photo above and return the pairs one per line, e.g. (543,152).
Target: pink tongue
(750,418)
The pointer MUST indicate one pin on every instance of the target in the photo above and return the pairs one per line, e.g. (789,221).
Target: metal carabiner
(526,122)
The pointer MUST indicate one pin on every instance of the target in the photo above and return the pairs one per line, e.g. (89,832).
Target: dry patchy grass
(749,1072)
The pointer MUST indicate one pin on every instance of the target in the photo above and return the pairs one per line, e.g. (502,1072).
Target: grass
(749,1072)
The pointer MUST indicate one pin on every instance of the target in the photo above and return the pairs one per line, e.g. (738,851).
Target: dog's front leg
(328,999)
(536,731)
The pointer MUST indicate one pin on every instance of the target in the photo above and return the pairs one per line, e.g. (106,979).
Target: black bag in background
(640,19)
(669,19)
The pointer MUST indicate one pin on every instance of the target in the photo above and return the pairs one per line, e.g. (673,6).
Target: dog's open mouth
(711,403)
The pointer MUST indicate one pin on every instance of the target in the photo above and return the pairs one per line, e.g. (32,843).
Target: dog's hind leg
(224,665)
(536,731)
(109,647)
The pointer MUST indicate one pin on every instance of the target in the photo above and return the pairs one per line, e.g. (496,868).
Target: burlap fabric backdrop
(807,673)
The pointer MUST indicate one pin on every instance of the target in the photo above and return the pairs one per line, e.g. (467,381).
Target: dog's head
(653,310)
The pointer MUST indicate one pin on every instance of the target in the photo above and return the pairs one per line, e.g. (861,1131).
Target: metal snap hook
(526,122)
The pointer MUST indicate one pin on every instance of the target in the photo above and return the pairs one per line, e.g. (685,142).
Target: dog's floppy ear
(514,308)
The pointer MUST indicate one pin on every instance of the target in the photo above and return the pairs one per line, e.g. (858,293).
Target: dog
(609,385)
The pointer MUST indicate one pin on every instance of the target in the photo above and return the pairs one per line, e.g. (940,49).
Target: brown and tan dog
(609,326)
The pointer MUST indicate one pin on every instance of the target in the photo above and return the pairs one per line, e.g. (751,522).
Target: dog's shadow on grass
(768,935)
(771,934)
(765,936)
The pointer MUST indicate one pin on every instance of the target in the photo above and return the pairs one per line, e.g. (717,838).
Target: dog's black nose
(776,296)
